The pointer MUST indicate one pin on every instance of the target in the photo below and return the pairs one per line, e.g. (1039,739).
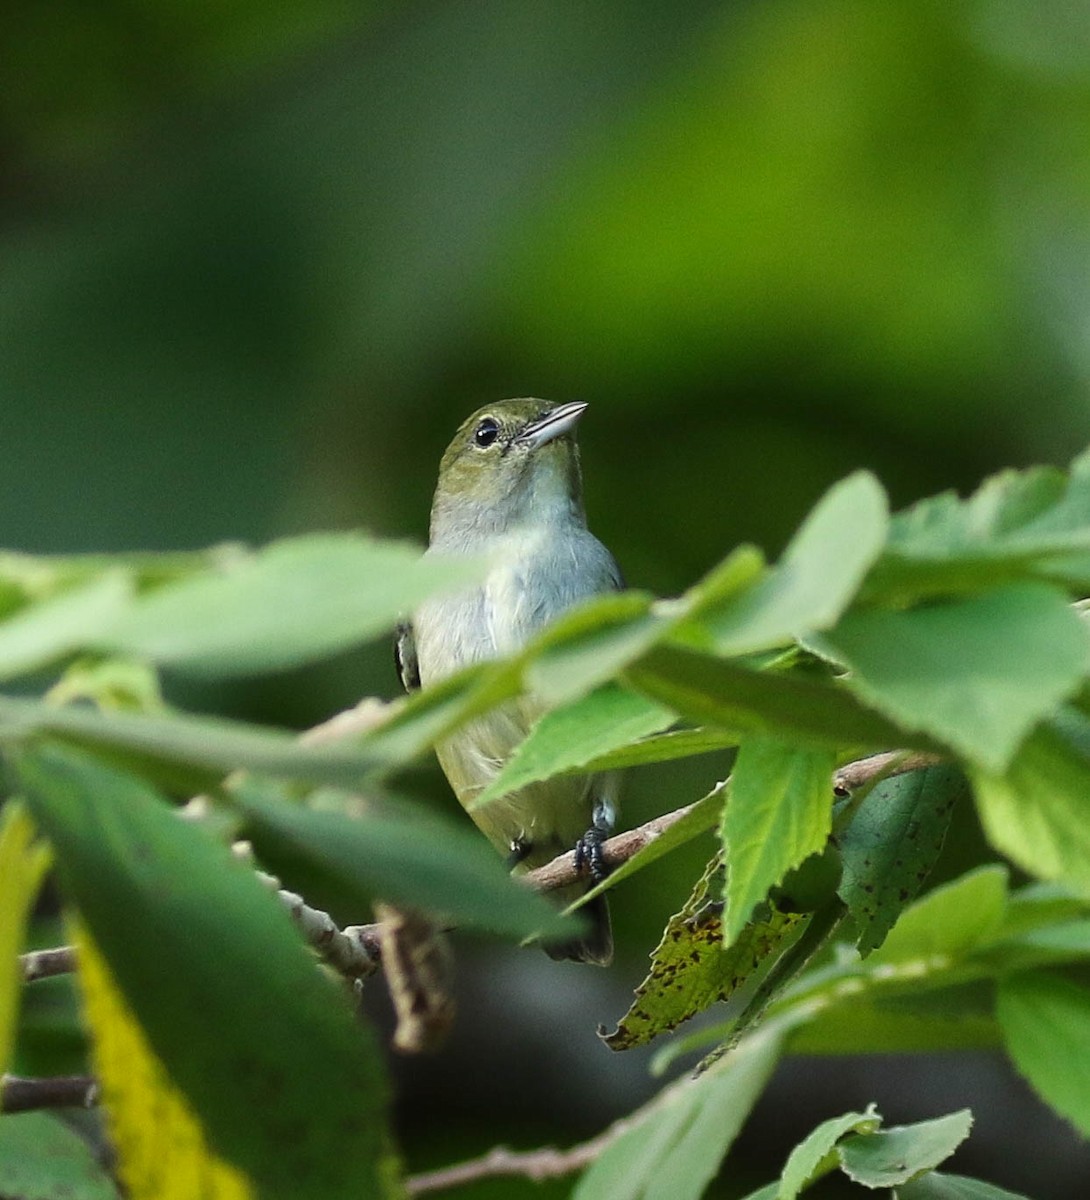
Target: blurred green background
(259,260)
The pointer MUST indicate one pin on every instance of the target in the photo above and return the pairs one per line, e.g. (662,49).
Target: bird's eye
(487,432)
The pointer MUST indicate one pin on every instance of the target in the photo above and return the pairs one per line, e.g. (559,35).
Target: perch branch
(616,850)
(855,774)
(20,1094)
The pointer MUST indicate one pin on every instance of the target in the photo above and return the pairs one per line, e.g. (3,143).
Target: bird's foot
(588,853)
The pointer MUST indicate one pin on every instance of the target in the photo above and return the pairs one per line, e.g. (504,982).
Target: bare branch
(538,1165)
(354,951)
(545,1163)
(896,762)
(20,1094)
(353,722)
(562,870)
(44,964)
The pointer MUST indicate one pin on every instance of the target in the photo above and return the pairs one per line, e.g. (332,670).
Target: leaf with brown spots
(692,970)
(891,845)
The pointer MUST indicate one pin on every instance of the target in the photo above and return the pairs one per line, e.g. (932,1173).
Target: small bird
(510,491)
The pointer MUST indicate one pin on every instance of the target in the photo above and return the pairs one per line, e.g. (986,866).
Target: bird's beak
(555,424)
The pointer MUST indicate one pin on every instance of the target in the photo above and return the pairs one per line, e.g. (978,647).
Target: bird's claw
(589,856)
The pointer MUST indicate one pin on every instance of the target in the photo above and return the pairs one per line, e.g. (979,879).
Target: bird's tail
(596,944)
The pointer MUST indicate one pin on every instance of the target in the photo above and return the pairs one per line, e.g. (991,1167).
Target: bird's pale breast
(536,577)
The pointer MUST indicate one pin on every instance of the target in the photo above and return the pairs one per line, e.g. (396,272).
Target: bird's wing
(405,657)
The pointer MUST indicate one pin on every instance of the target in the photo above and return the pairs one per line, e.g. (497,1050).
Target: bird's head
(511,465)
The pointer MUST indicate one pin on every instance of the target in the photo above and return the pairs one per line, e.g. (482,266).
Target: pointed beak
(557,423)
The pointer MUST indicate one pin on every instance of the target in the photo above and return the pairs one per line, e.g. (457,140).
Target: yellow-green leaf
(286,1080)
(22,864)
(162,1149)
(1035,811)
(691,968)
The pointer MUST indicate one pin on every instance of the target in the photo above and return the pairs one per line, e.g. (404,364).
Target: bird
(510,491)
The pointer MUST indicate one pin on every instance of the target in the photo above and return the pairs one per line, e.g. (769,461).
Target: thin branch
(354,951)
(562,870)
(353,722)
(545,1163)
(855,774)
(538,1165)
(44,964)
(20,1094)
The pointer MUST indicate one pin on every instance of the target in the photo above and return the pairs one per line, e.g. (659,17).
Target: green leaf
(1046,1027)
(295,601)
(1018,525)
(568,738)
(734,575)
(949,922)
(434,712)
(23,863)
(1035,811)
(219,981)
(115,684)
(39,634)
(1052,945)
(820,572)
(590,644)
(814,1156)
(779,812)
(664,747)
(42,1158)
(1041,904)
(863,1024)
(937,1186)
(977,674)
(675,1150)
(41,576)
(622,1175)
(393,852)
(929,987)
(160,1143)
(692,968)
(212,744)
(894,1156)
(891,844)
(708,690)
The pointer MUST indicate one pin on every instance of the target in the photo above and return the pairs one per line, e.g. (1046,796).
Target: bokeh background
(257,261)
